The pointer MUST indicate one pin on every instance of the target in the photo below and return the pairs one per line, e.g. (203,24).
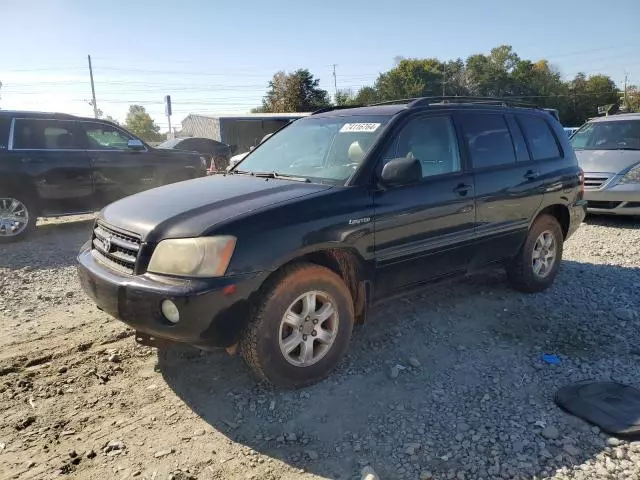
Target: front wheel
(301,329)
(17,218)
(535,267)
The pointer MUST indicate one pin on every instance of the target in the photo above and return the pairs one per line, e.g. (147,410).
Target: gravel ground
(446,384)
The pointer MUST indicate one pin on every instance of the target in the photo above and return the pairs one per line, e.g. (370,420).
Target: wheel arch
(20,184)
(561,213)
(344,261)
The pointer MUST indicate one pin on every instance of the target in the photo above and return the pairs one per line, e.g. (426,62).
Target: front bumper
(213,311)
(621,199)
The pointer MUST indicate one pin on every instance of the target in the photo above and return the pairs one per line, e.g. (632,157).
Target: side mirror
(135,145)
(401,171)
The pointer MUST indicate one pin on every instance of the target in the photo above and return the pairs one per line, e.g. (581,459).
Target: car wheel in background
(17,218)
(535,267)
(301,328)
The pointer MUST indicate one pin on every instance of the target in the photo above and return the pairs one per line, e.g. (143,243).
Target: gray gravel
(445,384)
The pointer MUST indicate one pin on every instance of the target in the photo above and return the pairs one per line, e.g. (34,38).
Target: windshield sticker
(359,127)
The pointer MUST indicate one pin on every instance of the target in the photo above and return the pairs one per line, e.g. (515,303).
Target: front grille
(593,181)
(603,205)
(115,249)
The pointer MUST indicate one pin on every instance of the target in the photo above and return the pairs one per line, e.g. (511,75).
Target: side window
(35,134)
(101,136)
(430,140)
(522,153)
(541,140)
(5,126)
(488,139)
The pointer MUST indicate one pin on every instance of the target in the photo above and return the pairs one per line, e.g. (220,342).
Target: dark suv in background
(336,212)
(55,164)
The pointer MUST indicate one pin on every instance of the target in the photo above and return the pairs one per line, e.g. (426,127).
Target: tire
(521,270)
(24,206)
(268,334)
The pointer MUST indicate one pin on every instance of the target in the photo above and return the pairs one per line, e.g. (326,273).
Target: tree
(344,98)
(501,73)
(294,92)
(586,94)
(633,98)
(411,78)
(140,123)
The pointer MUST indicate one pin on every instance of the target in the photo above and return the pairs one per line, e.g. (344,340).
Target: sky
(216,57)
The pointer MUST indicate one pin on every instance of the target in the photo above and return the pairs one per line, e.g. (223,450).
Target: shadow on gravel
(475,405)
(631,223)
(51,245)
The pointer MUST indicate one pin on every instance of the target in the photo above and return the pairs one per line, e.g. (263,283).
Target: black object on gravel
(613,407)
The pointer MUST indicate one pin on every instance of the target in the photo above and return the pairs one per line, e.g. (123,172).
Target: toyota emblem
(107,244)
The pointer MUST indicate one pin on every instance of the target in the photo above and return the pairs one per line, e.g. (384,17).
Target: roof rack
(397,101)
(423,101)
(334,107)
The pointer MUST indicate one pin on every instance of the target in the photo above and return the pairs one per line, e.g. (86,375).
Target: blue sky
(217,56)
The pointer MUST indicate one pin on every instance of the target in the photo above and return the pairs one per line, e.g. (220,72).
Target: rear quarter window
(539,136)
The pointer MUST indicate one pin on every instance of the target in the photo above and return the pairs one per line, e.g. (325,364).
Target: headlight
(632,176)
(193,257)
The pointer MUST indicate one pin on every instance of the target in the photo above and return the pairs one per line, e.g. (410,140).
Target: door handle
(462,189)
(531,175)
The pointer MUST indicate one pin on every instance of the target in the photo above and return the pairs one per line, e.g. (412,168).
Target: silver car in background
(608,150)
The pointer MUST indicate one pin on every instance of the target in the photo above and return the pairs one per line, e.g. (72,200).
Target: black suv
(337,211)
(53,164)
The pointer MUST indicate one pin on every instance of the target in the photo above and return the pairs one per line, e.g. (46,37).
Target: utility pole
(444,78)
(93,88)
(626,101)
(335,82)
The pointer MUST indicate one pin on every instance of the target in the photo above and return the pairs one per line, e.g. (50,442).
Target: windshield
(323,148)
(608,135)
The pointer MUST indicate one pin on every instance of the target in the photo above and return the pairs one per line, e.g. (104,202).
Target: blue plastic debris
(551,359)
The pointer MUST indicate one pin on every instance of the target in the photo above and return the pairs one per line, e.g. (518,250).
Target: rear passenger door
(51,154)
(546,154)
(424,230)
(508,185)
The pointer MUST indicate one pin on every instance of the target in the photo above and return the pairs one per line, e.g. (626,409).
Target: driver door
(424,230)
(118,171)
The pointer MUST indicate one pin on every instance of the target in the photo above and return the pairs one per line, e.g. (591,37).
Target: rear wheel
(535,267)
(17,218)
(301,329)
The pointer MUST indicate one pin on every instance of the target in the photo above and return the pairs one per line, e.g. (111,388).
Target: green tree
(411,78)
(366,96)
(344,98)
(140,123)
(294,92)
(633,98)
(586,94)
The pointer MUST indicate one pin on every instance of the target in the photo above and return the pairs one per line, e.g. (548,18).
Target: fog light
(170,311)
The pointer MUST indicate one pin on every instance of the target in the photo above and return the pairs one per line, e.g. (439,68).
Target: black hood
(188,209)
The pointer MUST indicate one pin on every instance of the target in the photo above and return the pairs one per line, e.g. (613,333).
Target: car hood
(607,161)
(188,209)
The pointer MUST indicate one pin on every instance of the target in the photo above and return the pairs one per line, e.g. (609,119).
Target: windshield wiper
(281,176)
